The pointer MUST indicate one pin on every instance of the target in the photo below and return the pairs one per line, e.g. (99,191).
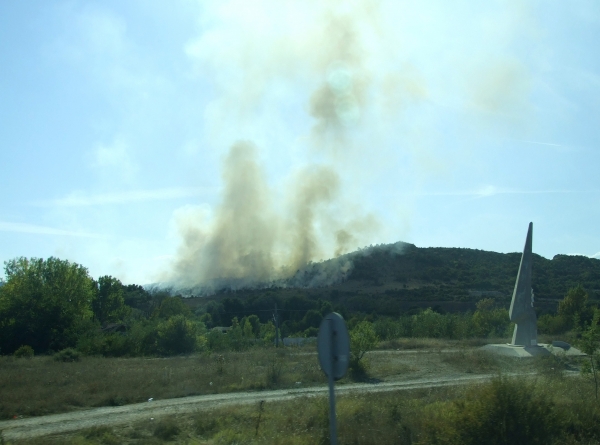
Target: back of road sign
(333,344)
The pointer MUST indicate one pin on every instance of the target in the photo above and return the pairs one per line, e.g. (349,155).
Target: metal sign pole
(333,346)
(332,417)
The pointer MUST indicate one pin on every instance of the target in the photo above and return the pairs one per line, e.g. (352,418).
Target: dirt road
(62,423)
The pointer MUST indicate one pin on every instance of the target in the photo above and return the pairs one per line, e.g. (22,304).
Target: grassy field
(548,410)
(41,385)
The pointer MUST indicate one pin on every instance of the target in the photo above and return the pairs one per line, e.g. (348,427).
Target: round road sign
(333,345)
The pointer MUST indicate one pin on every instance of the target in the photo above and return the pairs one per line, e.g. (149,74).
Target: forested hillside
(450,273)
(399,278)
(405,291)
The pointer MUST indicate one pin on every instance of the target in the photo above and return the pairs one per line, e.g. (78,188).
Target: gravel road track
(20,429)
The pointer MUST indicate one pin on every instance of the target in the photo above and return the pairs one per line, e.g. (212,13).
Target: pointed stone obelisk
(521,310)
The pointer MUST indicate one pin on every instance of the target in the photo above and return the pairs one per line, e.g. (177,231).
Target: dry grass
(41,385)
(362,419)
(437,343)
(448,416)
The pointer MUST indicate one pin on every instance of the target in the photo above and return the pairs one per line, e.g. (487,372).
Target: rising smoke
(345,63)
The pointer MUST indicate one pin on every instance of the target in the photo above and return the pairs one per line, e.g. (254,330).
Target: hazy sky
(437,123)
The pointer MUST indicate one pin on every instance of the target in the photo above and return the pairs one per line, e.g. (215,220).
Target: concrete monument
(521,310)
(524,340)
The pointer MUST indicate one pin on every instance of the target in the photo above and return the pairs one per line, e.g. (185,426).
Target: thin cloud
(550,145)
(596,255)
(541,143)
(42,230)
(491,191)
(83,200)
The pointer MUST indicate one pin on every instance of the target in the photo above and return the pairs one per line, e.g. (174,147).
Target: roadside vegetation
(61,383)
(548,410)
(68,341)
(47,306)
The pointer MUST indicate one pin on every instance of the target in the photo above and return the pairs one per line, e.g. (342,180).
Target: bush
(67,355)
(274,372)
(362,339)
(178,335)
(101,434)
(552,324)
(359,369)
(205,426)
(166,429)
(503,412)
(107,345)
(24,351)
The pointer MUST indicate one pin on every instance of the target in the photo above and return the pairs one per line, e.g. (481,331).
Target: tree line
(53,304)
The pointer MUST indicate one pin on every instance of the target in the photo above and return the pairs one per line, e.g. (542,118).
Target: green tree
(251,326)
(267,332)
(171,306)
(573,305)
(489,321)
(44,303)
(362,339)
(178,335)
(312,319)
(137,297)
(109,304)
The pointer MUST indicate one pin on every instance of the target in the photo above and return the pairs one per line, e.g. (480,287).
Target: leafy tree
(206,318)
(137,297)
(267,332)
(171,306)
(429,324)
(247,328)
(573,305)
(312,319)
(254,323)
(489,321)
(235,336)
(178,335)
(362,339)
(109,304)
(44,303)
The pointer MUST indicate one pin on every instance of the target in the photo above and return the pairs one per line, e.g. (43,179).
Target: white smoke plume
(336,70)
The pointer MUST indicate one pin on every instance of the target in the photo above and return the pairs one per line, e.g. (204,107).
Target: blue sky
(428,122)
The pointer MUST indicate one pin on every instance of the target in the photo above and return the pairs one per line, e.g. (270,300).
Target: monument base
(556,348)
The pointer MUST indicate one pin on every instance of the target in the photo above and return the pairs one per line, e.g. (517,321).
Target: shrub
(359,369)
(274,372)
(101,434)
(170,307)
(205,426)
(552,324)
(109,345)
(166,429)
(362,339)
(177,335)
(24,351)
(507,412)
(217,341)
(67,355)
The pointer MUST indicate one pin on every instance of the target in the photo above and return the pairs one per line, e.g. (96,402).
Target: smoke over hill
(326,273)
(343,61)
